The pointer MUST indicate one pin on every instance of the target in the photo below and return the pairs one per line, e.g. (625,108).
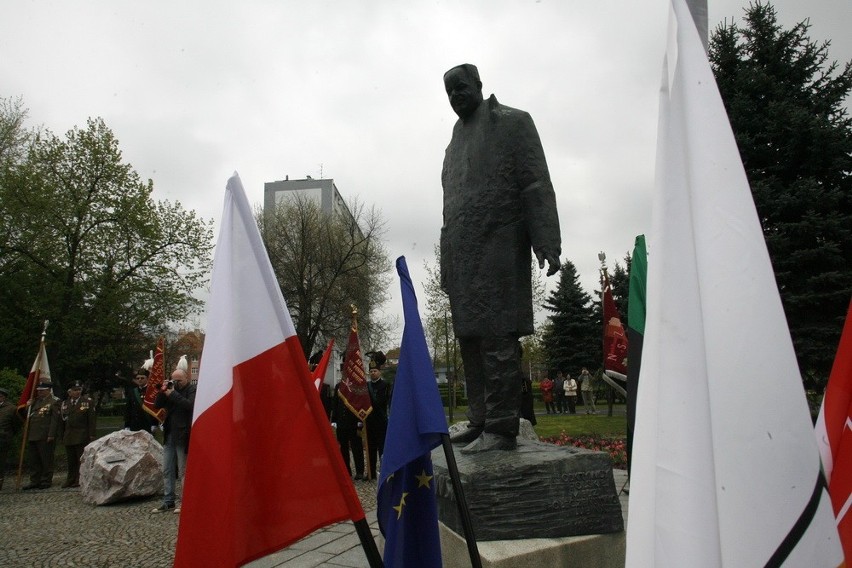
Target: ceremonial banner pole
(35,381)
(353,388)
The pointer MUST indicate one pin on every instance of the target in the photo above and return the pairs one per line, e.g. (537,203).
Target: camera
(168,385)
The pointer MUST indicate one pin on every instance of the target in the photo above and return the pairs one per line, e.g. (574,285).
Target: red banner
(156,376)
(353,387)
(615,340)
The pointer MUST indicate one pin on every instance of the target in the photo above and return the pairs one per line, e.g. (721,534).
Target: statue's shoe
(488,442)
(466,436)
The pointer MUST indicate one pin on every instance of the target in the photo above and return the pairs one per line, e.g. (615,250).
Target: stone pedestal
(537,491)
(591,551)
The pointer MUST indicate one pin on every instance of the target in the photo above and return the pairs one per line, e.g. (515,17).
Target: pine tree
(571,337)
(786,103)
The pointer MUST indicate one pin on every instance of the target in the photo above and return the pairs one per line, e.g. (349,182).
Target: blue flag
(407,506)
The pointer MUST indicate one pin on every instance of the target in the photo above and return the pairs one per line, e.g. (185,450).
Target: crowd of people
(561,394)
(72,421)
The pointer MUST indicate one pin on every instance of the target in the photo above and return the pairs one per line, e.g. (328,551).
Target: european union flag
(407,507)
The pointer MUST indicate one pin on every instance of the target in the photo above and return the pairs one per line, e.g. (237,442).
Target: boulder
(121,465)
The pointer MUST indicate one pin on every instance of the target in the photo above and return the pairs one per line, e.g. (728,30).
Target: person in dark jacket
(135,416)
(9,424)
(177,397)
(348,430)
(43,413)
(76,430)
(377,420)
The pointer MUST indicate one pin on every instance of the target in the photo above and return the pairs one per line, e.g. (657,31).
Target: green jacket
(44,419)
(77,421)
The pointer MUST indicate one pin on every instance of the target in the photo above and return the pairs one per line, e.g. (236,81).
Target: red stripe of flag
(834,434)
(264,469)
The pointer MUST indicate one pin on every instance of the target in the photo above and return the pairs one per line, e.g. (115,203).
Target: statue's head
(464,89)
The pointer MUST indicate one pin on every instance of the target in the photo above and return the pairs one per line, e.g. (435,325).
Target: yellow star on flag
(423,479)
(399,507)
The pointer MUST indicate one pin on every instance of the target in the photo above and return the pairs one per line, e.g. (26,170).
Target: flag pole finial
(354,310)
(44,329)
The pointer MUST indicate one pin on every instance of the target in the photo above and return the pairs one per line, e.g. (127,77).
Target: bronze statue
(498,204)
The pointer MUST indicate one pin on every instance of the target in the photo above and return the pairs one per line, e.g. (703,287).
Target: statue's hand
(552,261)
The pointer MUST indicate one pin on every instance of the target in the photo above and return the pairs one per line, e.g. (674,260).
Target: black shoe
(30,486)
(163,508)
(67,484)
(44,486)
(466,436)
(358,476)
(488,442)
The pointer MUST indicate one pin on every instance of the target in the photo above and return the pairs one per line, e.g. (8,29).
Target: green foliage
(620,281)
(325,263)
(13,382)
(787,105)
(85,245)
(572,334)
(438,320)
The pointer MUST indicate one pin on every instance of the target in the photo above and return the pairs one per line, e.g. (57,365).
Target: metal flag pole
(464,512)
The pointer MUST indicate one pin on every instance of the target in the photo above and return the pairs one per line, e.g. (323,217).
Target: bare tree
(326,262)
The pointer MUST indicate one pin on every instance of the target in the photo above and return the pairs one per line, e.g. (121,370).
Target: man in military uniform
(8,424)
(76,430)
(41,436)
(499,208)
(377,420)
(135,416)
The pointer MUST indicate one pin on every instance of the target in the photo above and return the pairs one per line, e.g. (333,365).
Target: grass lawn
(580,424)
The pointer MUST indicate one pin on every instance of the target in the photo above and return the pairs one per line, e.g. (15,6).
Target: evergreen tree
(620,281)
(571,336)
(786,103)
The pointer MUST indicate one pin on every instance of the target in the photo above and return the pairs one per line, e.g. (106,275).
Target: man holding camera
(177,396)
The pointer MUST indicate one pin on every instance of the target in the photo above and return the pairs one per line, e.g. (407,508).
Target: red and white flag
(834,436)
(264,469)
(40,372)
(318,374)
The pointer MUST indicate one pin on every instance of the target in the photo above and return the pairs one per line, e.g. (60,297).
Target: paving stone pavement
(54,528)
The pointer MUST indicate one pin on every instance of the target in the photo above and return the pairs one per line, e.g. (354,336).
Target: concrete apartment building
(323,191)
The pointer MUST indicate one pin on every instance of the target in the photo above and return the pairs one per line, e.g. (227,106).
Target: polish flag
(834,436)
(264,469)
(319,373)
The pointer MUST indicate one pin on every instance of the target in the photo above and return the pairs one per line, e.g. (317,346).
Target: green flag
(635,334)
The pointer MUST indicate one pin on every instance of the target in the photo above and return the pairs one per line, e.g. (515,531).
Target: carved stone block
(537,491)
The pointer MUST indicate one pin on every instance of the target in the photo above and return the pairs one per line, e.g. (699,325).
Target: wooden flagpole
(36,380)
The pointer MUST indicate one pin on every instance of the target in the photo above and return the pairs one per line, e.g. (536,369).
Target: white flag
(725,467)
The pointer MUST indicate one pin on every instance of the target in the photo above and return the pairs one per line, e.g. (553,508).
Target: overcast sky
(353,91)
